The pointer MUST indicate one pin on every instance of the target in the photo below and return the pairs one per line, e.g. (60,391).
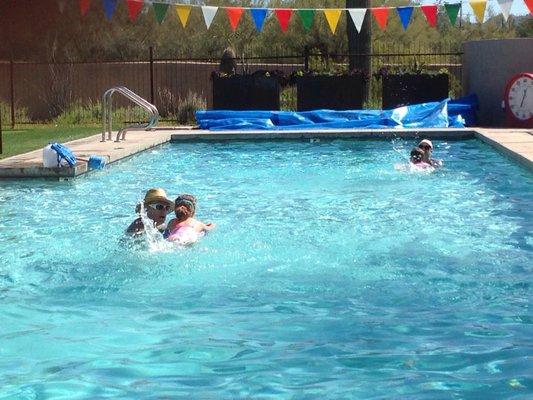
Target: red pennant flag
(529,4)
(234,15)
(430,11)
(134,8)
(84,6)
(381,14)
(284,16)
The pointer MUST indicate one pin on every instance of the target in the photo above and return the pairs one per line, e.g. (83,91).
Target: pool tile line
(515,143)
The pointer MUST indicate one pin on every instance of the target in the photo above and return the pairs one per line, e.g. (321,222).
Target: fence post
(306,58)
(151,74)
(1,138)
(12,92)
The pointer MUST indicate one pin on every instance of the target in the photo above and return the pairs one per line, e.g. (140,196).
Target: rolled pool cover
(445,114)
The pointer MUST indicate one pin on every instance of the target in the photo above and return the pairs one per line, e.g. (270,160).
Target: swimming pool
(330,275)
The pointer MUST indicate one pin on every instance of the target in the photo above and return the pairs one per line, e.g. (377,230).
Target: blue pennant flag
(259,15)
(109,8)
(405,15)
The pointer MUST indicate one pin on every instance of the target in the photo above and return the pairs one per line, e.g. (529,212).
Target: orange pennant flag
(284,16)
(430,11)
(84,6)
(234,15)
(381,14)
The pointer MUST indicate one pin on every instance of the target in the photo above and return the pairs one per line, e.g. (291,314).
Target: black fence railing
(35,92)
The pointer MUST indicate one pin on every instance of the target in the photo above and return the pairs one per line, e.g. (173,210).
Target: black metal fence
(36,92)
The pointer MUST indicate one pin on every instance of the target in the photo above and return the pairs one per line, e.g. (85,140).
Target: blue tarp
(444,114)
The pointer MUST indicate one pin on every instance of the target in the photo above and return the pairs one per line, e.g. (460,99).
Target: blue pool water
(330,275)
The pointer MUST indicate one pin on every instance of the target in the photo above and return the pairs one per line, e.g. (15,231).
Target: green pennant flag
(452,10)
(307,17)
(160,10)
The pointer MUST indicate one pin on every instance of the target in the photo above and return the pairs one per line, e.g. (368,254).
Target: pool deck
(515,143)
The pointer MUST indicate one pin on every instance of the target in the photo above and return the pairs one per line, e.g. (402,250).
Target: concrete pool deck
(515,143)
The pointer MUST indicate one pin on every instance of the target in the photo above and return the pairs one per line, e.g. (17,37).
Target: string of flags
(307,15)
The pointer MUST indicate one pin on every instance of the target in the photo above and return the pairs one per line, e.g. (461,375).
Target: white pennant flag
(505,6)
(61,5)
(209,13)
(358,16)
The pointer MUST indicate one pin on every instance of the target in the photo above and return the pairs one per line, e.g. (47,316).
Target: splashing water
(153,238)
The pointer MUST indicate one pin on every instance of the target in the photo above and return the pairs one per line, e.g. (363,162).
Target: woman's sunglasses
(160,207)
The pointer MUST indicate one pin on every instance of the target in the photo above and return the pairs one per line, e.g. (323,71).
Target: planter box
(406,89)
(344,92)
(246,92)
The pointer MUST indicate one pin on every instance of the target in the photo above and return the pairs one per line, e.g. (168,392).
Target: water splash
(153,238)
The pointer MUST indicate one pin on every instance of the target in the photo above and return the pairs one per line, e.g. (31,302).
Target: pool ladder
(107,112)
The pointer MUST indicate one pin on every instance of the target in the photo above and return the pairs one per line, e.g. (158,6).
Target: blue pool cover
(445,114)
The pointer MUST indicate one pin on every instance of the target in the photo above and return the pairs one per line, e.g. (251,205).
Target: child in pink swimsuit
(416,159)
(184,229)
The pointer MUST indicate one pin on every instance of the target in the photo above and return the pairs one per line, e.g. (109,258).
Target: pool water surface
(330,275)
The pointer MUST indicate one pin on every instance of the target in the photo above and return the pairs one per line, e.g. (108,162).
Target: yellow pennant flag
(332,16)
(183,13)
(479,9)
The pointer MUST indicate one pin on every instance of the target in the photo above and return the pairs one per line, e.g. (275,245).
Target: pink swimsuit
(184,234)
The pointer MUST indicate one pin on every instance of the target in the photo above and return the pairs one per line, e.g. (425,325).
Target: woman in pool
(184,229)
(157,206)
(427,148)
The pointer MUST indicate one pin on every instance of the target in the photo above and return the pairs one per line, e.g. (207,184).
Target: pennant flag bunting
(84,6)
(209,13)
(134,8)
(381,14)
(61,5)
(307,16)
(160,11)
(505,6)
(284,16)
(358,16)
(405,14)
(430,11)
(259,15)
(109,8)
(332,16)
(234,15)
(452,10)
(529,4)
(183,14)
(479,9)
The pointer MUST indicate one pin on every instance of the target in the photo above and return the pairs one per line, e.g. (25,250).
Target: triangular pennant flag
(209,13)
(307,16)
(234,15)
(529,4)
(381,14)
(259,15)
(61,5)
(134,8)
(160,11)
(332,16)
(284,16)
(479,9)
(405,14)
(109,8)
(84,6)
(358,16)
(505,6)
(430,11)
(452,10)
(183,13)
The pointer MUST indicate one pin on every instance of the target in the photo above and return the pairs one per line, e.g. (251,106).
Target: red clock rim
(508,89)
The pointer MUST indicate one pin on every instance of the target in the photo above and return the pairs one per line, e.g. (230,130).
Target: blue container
(96,162)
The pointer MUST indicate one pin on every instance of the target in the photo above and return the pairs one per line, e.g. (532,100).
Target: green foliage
(91,113)
(187,107)
(288,99)
(21,113)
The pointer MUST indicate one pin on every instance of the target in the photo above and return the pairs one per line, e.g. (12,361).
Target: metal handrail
(107,115)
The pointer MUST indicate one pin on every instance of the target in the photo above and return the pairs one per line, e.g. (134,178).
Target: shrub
(168,103)
(188,106)
(21,114)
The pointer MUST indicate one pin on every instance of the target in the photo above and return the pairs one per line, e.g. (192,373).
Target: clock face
(521,98)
